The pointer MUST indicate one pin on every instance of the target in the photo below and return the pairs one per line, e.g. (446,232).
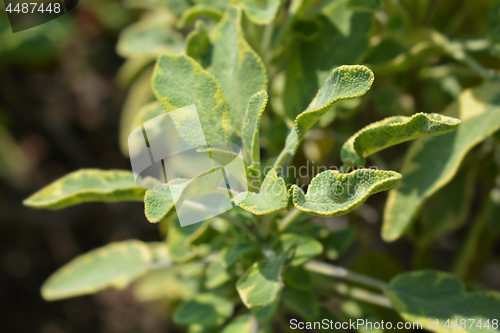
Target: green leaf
(430,295)
(307,247)
(261,11)
(229,159)
(241,324)
(448,208)
(271,198)
(313,60)
(236,65)
(147,112)
(149,37)
(114,265)
(251,124)
(198,44)
(87,185)
(301,301)
(195,12)
(365,5)
(178,282)
(217,274)
(345,82)
(392,131)
(204,310)
(179,81)
(159,201)
(298,277)
(261,284)
(432,162)
(180,240)
(332,193)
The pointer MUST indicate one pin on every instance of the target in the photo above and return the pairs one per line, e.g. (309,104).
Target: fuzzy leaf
(432,162)
(160,200)
(203,309)
(251,124)
(262,282)
(307,247)
(236,65)
(392,131)
(241,324)
(272,196)
(332,193)
(262,11)
(87,185)
(114,265)
(430,295)
(179,81)
(345,82)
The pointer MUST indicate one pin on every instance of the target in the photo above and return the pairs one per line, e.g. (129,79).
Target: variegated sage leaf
(272,196)
(261,284)
(179,81)
(236,65)
(87,185)
(251,124)
(338,43)
(160,200)
(392,131)
(262,11)
(345,82)
(307,247)
(432,162)
(430,296)
(203,309)
(332,193)
(114,265)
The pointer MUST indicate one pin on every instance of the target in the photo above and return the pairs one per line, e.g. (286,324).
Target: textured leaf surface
(307,247)
(236,65)
(345,82)
(332,193)
(198,11)
(315,59)
(251,124)
(391,131)
(160,200)
(115,265)
(420,296)
(203,309)
(262,283)
(179,81)
(262,11)
(87,185)
(272,196)
(432,162)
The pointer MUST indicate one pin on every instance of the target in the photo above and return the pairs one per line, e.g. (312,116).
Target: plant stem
(288,219)
(340,272)
(281,159)
(363,295)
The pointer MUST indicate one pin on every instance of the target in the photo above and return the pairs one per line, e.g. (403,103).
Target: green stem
(363,295)
(288,219)
(280,159)
(340,272)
